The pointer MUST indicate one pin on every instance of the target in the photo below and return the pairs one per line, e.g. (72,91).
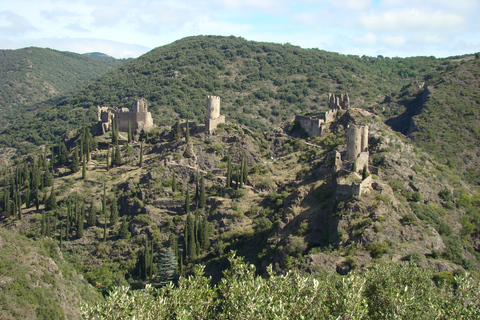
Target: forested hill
(32,78)
(37,74)
(261,84)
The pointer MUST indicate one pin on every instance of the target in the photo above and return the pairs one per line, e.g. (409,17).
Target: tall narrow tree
(140,163)
(187,132)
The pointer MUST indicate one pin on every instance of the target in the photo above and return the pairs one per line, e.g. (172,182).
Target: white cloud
(412,20)
(366,40)
(14,24)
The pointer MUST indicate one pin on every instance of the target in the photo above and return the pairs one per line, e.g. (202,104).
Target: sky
(130,28)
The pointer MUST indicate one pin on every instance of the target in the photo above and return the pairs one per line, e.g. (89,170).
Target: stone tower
(213,118)
(357,141)
(213,107)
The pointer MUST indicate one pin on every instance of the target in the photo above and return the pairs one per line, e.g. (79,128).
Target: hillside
(32,81)
(145,209)
(287,213)
(36,282)
(262,85)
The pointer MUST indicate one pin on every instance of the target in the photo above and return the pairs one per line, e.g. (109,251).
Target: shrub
(377,249)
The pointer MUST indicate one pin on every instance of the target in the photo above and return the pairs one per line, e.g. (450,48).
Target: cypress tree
(187,132)
(174,183)
(229,171)
(112,161)
(140,163)
(27,198)
(202,202)
(67,225)
(47,179)
(114,212)
(124,233)
(35,175)
(354,167)
(44,159)
(204,233)
(178,131)
(108,156)
(104,212)
(245,170)
(51,203)
(75,162)
(84,169)
(62,154)
(187,202)
(129,138)
(80,223)
(92,216)
(118,156)
(196,234)
(192,248)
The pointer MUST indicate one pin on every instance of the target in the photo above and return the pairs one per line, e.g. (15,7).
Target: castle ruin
(317,124)
(355,159)
(213,118)
(357,145)
(139,119)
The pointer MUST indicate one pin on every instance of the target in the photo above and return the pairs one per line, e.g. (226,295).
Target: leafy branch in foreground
(392,290)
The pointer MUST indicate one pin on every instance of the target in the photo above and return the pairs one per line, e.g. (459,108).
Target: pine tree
(140,163)
(187,132)
(166,268)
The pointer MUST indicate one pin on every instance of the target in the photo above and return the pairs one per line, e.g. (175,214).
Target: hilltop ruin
(139,119)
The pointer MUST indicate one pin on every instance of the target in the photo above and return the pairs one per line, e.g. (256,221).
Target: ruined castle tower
(139,119)
(338,101)
(357,145)
(213,118)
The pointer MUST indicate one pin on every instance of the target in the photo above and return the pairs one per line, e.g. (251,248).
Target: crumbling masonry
(139,119)
(213,118)
(317,124)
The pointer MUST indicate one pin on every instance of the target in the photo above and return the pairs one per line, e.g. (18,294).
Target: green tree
(202,198)
(113,211)
(75,167)
(187,132)
(187,202)
(124,233)
(104,212)
(190,239)
(140,162)
(129,134)
(62,154)
(229,171)
(84,169)
(51,203)
(80,222)
(166,268)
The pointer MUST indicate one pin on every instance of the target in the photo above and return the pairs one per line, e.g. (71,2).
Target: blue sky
(129,28)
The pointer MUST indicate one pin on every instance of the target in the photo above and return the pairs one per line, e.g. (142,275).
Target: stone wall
(311,125)
(211,124)
(139,119)
(353,185)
